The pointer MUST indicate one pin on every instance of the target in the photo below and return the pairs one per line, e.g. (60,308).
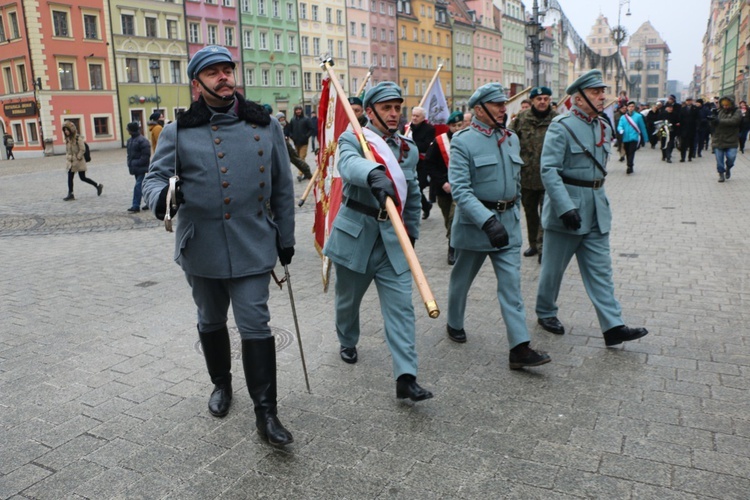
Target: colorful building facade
(385,48)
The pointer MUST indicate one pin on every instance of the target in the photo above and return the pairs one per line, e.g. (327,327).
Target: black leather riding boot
(259,362)
(218,356)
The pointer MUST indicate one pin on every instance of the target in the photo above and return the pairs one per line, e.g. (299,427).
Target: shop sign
(18,109)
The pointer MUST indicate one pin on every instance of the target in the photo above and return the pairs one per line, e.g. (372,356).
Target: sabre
(296,323)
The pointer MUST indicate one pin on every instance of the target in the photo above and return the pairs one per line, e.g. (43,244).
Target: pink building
(383,43)
(55,69)
(216,22)
(488,43)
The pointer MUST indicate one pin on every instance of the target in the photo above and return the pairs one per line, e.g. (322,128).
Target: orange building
(55,65)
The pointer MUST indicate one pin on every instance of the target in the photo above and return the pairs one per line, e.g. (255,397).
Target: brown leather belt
(596,184)
(500,205)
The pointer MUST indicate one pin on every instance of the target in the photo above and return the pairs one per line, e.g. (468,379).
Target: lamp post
(155,68)
(619,34)
(534,32)
(405,87)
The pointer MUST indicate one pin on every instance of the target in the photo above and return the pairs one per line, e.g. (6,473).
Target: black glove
(571,220)
(285,255)
(496,232)
(161,205)
(381,186)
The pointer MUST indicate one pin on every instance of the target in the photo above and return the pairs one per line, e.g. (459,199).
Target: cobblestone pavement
(103,391)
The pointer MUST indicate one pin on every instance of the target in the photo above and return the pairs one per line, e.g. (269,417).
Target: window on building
(277,45)
(13,22)
(171,29)
(24,83)
(262,7)
(96,76)
(390,9)
(364,57)
(340,48)
(290,11)
(151,27)
(303,11)
(245,6)
(67,81)
(33,134)
(391,36)
(249,76)
(292,43)
(307,80)
(652,80)
(247,39)
(414,34)
(263,40)
(404,61)
(194,30)
(2,30)
(101,125)
(339,17)
(330,46)
(227,3)
(229,36)
(293,78)
(382,35)
(211,2)
(60,23)
(403,32)
(316,46)
(305,45)
(314,12)
(90,27)
(131,70)
(279,77)
(374,33)
(353,29)
(175,68)
(128,24)
(329,15)
(18,133)
(10,88)
(383,60)
(265,77)
(276,8)
(363,30)
(319,81)
(212,34)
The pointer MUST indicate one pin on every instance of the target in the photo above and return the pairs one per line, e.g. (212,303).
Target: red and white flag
(384,156)
(332,121)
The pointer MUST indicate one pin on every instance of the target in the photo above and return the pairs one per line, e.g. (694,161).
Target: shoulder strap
(588,153)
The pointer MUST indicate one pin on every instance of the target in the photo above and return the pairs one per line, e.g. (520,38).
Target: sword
(171,202)
(288,281)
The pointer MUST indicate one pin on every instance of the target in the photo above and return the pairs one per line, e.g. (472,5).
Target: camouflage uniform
(531,130)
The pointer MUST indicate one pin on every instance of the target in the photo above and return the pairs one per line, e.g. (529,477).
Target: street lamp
(155,68)
(535,34)
(619,34)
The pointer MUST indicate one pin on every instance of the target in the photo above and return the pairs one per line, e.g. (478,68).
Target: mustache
(223,85)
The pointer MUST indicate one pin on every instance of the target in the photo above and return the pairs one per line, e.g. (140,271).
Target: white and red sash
(444,145)
(384,156)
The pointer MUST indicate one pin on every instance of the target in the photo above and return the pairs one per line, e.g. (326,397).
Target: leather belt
(379,213)
(596,184)
(500,205)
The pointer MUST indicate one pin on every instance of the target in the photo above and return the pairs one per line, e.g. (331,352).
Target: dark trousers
(701,140)
(532,201)
(9,152)
(448,209)
(424,181)
(298,162)
(667,147)
(687,145)
(82,176)
(630,149)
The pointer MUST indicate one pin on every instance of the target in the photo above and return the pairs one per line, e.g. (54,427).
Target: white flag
(436,107)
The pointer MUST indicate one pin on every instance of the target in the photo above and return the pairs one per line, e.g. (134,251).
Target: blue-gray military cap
(383,91)
(207,56)
(590,80)
(489,92)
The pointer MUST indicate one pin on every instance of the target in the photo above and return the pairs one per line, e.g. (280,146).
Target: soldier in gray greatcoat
(363,245)
(576,214)
(484,175)
(236,214)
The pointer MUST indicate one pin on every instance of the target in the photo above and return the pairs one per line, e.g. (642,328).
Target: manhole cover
(284,338)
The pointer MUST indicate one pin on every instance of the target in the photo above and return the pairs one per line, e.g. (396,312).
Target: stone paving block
(722,463)
(735,445)
(148,487)
(650,412)
(68,430)
(566,456)
(153,406)
(636,469)
(645,491)
(21,478)
(710,484)
(588,485)
(264,486)
(69,452)
(694,438)
(600,440)
(64,481)
(113,452)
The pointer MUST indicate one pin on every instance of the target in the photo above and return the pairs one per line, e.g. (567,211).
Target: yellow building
(425,41)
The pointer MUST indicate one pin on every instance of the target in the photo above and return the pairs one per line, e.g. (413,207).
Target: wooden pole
(364,83)
(429,87)
(393,214)
(309,187)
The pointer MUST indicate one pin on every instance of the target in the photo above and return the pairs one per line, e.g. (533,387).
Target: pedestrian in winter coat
(75,147)
(139,154)
(726,121)
(632,129)
(155,126)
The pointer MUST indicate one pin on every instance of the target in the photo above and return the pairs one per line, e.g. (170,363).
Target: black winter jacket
(139,154)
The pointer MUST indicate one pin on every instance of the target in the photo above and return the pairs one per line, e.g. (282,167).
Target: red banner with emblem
(332,121)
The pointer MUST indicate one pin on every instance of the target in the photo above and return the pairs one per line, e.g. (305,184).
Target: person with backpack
(139,154)
(9,143)
(75,150)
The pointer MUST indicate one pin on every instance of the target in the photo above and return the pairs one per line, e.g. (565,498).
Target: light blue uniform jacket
(592,204)
(480,170)
(354,234)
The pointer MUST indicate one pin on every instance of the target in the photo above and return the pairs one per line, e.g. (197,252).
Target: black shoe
(426,207)
(70,197)
(456,335)
(552,325)
(220,400)
(530,252)
(728,173)
(144,207)
(622,333)
(700,156)
(622,158)
(669,160)
(134,210)
(348,354)
(682,160)
(522,356)
(451,256)
(407,387)
(629,170)
(99,189)
(663,159)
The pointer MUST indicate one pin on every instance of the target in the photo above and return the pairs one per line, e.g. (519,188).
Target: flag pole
(429,87)
(364,83)
(309,187)
(403,237)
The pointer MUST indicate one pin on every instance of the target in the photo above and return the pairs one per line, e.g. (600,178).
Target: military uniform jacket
(239,193)
(562,156)
(531,129)
(482,170)
(354,234)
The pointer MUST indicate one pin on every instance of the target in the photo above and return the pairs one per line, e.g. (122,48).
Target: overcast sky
(681,23)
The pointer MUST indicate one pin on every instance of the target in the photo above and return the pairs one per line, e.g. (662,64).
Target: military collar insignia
(583,116)
(481,127)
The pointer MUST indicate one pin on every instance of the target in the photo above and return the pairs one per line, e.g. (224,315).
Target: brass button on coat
(221,155)
(262,184)
(225,184)
(260,152)
(260,213)
(226,201)
(227,216)
(260,198)
(215,128)
(257,137)
(262,168)
(224,170)
(217,141)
